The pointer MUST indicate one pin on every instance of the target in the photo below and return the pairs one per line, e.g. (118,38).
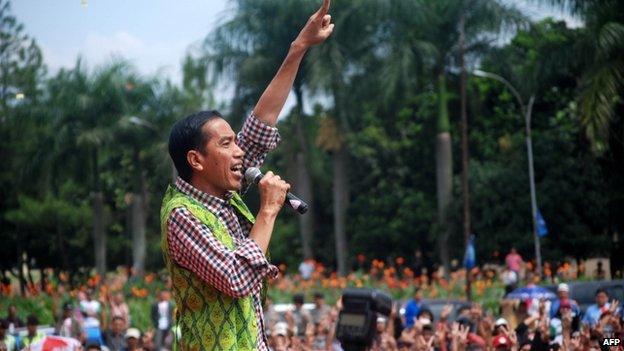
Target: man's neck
(208,188)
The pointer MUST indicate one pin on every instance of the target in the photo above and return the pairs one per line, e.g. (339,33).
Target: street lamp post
(526,110)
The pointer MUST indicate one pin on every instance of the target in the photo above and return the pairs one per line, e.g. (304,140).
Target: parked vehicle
(584,292)
(436,305)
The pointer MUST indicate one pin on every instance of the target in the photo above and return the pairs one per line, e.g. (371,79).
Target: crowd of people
(105,322)
(532,325)
(97,324)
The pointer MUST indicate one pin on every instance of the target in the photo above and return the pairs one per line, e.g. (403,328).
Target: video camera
(356,326)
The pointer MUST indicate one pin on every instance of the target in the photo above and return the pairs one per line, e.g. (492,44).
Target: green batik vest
(208,319)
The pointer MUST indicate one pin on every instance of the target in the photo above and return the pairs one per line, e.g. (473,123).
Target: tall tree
(332,67)
(423,43)
(602,49)
(247,49)
(21,76)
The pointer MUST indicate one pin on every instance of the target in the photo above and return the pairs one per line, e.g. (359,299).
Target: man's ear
(195,158)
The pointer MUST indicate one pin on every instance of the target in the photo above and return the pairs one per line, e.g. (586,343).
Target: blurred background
(372,135)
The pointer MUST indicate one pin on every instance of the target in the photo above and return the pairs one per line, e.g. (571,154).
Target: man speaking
(213,246)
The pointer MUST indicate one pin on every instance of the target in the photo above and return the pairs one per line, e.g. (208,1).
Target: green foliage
(102,130)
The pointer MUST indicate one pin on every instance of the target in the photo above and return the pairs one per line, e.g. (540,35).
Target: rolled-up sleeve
(256,138)
(236,273)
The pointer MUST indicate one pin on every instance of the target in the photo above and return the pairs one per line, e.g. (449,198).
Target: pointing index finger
(324,8)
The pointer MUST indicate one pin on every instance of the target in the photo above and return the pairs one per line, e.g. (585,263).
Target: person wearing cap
(6,338)
(556,323)
(499,325)
(68,326)
(593,312)
(501,342)
(132,336)
(214,248)
(279,340)
(563,293)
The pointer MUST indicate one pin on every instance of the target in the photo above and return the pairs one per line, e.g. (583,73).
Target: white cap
(563,287)
(424,321)
(501,321)
(280,328)
(381,319)
(133,333)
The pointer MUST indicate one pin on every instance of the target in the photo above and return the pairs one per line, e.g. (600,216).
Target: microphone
(253,176)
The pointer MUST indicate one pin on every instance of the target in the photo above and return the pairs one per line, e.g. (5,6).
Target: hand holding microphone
(274,191)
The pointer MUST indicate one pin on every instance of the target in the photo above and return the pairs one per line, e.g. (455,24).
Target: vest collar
(213,203)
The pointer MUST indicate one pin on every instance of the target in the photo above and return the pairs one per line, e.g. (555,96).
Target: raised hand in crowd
(423,344)
(511,336)
(613,307)
(446,311)
(459,337)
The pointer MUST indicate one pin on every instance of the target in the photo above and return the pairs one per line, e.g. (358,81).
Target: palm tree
(331,67)
(248,49)
(423,47)
(602,50)
(87,108)
(81,135)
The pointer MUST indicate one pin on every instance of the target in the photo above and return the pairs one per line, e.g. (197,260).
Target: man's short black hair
(601,290)
(426,312)
(93,347)
(32,320)
(298,298)
(187,135)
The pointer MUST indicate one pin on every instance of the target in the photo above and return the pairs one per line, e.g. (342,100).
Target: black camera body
(357,321)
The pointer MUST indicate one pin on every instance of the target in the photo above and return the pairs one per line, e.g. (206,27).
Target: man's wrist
(298,47)
(267,214)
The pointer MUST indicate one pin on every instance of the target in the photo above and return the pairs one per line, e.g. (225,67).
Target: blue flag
(470,257)
(542,230)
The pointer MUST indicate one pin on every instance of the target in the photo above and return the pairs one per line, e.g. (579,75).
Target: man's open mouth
(238,170)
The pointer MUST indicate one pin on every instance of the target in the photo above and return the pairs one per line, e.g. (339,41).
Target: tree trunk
(99,236)
(341,201)
(340,179)
(304,179)
(139,219)
(444,175)
(99,233)
(138,235)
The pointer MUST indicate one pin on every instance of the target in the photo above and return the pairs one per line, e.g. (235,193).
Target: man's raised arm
(316,30)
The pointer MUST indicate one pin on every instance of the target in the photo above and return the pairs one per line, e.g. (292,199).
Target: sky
(154,35)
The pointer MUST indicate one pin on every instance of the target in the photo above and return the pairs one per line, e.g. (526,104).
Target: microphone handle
(296,203)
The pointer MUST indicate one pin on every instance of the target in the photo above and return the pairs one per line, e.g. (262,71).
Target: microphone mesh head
(251,174)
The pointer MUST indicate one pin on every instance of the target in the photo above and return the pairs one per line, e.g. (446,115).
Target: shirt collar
(213,203)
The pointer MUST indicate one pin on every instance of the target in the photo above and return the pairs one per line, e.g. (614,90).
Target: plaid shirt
(236,273)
